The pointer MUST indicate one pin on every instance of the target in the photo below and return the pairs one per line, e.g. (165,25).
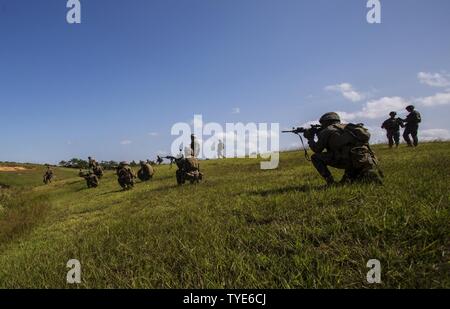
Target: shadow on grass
(302,188)
(114,191)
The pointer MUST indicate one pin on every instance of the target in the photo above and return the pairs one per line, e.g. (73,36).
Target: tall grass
(244,228)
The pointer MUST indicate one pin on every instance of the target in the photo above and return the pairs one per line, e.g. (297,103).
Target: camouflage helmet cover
(330,117)
(410,107)
(393,114)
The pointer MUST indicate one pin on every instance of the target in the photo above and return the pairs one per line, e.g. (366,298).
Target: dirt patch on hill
(12,168)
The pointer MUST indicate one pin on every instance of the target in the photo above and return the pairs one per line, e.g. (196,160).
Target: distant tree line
(84,164)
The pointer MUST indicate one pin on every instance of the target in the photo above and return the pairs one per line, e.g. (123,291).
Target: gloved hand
(308,135)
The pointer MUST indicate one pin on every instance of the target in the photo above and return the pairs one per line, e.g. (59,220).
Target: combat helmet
(412,107)
(393,114)
(329,118)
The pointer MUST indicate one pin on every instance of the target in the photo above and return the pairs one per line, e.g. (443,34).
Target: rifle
(172,159)
(314,130)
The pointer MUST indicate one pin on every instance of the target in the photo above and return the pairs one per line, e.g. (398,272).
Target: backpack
(191,164)
(418,117)
(357,148)
(358,132)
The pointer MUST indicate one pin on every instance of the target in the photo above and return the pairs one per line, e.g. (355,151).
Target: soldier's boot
(391,141)
(407,139)
(415,141)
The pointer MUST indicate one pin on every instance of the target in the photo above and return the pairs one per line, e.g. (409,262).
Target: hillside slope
(241,228)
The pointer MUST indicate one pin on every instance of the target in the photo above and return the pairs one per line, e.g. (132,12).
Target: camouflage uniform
(48,176)
(92,163)
(220,149)
(392,127)
(412,126)
(125,176)
(159,160)
(146,172)
(98,171)
(342,152)
(188,169)
(195,147)
(91,180)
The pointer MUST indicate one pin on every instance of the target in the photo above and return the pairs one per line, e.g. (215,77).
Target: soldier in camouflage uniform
(92,162)
(92,180)
(159,160)
(343,151)
(98,170)
(188,169)
(125,175)
(195,147)
(412,126)
(48,176)
(392,127)
(146,171)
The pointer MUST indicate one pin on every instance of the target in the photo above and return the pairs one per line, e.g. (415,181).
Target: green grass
(241,228)
(32,176)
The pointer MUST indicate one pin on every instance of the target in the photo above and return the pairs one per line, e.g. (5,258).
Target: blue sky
(113,86)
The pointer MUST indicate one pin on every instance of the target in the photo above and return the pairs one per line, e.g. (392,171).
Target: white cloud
(347,117)
(437,99)
(434,134)
(236,110)
(376,109)
(153,134)
(382,107)
(347,91)
(125,142)
(308,124)
(434,79)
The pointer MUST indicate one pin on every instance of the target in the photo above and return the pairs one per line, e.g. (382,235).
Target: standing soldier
(48,176)
(412,126)
(92,163)
(159,160)
(195,147)
(220,149)
(392,127)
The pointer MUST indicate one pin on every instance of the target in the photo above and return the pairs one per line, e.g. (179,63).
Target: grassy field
(241,228)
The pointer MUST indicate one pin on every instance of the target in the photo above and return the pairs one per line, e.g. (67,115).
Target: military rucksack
(417,117)
(358,132)
(191,164)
